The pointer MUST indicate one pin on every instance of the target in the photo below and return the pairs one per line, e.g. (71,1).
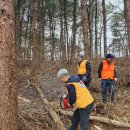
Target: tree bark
(96,37)
(43,31)
(104,26)
(66,35)
(127,18)
(73,47)
(85,29)
(18,30)
(90,24)
(62,44)
(33,37)
(40,32)
(8,90)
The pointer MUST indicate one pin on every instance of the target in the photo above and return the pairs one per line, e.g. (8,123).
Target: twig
(25,122)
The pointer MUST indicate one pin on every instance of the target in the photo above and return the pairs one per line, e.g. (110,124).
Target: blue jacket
(71,89)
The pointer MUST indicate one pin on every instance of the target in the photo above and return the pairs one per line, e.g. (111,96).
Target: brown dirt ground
(52,89)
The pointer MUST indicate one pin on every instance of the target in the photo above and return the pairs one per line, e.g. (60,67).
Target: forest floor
(33,115)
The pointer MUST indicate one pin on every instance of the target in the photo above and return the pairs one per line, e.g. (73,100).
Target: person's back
(83,96)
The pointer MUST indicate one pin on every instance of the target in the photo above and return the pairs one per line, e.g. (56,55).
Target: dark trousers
(107,85)
(81,115)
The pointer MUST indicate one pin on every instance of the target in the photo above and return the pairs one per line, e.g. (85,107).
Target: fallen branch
(99,119)
(26,123)
(22,99)
(97,127)
(109,121)
(53,114)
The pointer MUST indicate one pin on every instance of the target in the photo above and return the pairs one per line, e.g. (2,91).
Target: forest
(38,38)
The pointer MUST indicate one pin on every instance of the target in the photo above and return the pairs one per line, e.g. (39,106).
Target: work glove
(115,79)
(84,79)
(63,96)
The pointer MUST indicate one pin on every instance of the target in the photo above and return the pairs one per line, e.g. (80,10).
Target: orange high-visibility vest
(107,70)
(83,96)
(82,67)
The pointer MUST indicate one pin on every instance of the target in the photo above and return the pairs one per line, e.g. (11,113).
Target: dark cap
(110,56)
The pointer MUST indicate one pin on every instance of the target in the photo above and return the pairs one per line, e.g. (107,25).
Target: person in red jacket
(107,74)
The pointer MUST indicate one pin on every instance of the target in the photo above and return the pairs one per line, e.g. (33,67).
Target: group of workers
(77,88)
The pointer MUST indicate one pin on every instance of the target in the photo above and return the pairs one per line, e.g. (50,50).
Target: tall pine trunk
(96,34)
(33,37)
(127,18)
(8,93)
(104,26)
(90,23)
(66,35)
(18,31)
(73,47)
(62,43)
(85,28)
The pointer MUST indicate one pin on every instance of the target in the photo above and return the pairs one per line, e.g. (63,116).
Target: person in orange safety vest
(107,74)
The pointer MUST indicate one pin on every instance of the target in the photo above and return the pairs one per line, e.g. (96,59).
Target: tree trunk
(96,37)
(85,29)
(18,30)
(104,26)
(43,31)
(127,18)
(26,36)
(66,27)
(33,37)
(52,33)
(90,23)
(8,93)
(100,39)
(53,42)
(74,30)
(62,44)
(40,32)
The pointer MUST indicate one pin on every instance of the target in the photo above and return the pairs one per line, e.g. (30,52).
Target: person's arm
(100,69)
(71,94)
(88,67)
(115,74)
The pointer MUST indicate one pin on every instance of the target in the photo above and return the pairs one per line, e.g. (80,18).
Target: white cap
(80,55)
(62,72)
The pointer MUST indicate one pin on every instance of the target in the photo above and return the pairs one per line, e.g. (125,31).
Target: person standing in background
(84,69)
(107,75)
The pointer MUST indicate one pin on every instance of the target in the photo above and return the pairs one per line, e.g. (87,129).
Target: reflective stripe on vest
(82,67)
(83,96)
(107,70)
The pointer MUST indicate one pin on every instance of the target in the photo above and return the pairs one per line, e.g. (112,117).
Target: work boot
(104,108)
